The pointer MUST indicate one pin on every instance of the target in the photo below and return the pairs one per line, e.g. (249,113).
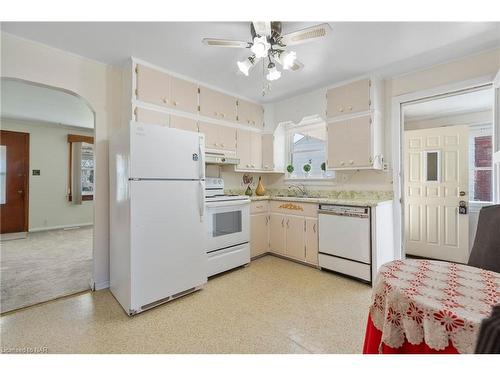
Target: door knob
(19,191)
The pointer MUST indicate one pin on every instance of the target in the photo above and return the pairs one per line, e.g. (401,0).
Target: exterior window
(3,173)
(87,175)
(481,165)
(307,145)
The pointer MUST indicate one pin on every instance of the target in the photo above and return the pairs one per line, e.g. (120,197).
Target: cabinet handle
(288,223)
(267,220)
(350,108)
(216,113)
(341,109)
(174,103)
(351,162)
(248,165)
(283,222)
(222,145)
(222,115)
(314,227)
(342,162)
(165,100)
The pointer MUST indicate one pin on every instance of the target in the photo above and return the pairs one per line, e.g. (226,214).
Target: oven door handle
(228,203)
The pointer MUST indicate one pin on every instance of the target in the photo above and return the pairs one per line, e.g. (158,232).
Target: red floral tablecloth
(428,306)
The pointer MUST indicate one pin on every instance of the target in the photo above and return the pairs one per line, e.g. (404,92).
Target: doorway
(447,172)
(47,192)
(14,167)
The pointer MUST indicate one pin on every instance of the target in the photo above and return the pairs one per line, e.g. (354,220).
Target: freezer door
(165,153)
(167,252)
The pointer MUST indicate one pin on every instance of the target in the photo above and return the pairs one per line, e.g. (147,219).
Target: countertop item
(432,305)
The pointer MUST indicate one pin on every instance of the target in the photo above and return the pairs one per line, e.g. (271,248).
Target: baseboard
(101,285)
(60,227)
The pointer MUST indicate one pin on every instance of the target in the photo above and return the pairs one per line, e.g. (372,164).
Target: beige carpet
(271,306)
(44,266)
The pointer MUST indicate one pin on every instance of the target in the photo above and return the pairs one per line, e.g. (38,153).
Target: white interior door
(435,182)
(496,138)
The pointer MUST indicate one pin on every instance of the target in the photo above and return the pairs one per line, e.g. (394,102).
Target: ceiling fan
(269,43)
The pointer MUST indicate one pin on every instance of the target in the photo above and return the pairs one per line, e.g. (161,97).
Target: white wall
(49,207)
(100,86)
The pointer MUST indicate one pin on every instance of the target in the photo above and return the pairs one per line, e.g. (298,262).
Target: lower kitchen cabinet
(259,234)
(312,239)
(277,233)
(295,233)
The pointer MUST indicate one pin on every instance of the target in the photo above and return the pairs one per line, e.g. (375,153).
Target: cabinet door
(259,239)
(183,123)
(151,117)
(358,131)
(312,241)
(295,232)
(211,135)
(250,114)
(358,96)
(153,86)
(338,144)
(277,233)
(184,95)
(335,101)
(243,148)
(217,105)
(226,139)
(267,151)
(256,150)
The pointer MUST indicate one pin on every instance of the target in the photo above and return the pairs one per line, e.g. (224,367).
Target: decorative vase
(249,191)
(260,188)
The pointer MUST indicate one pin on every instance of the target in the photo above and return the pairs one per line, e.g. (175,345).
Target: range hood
(220,159)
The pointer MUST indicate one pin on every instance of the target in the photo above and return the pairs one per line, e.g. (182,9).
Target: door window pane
(432,165)
(225,223)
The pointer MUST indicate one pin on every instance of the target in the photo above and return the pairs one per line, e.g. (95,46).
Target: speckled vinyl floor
(271,306)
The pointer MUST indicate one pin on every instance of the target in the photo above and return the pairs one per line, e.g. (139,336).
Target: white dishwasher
(345,240)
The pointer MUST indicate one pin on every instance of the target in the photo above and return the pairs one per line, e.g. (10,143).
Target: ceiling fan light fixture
(272,74)
(260,46)
(287,59)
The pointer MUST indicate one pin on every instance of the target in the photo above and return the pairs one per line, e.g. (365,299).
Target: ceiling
(352,49)
(24,101)
(475,101)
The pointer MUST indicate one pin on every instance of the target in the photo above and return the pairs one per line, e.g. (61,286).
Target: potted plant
(307,169)
(290,169)
(323,169)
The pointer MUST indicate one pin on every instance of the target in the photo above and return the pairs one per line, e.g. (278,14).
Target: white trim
(101,285)
(396,134)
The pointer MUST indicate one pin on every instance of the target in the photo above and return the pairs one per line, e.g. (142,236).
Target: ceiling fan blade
(308,34)
(262,28)
(225,43)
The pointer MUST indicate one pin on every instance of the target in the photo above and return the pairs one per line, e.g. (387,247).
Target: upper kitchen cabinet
(268,152)
(151,117)
(249,150)
(217,105)
(183,123)
(156,87)
(152,86)
(353,98)
(183,95)
(218,137)
(250,114)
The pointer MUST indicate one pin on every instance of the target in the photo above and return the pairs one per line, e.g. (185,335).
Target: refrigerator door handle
(202,200)
(202,158)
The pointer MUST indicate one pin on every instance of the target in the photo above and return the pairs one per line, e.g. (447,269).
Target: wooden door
(152,117)
(183,123)
(153,86)
(435,181)
(268,151)
(259,237)
(295,233)
(184,95)
(211,135)
(243,148)
(256,150)
(312,241)
(277,233)
(14,169)
(227,138)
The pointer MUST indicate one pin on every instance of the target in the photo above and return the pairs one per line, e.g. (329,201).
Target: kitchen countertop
(365,201)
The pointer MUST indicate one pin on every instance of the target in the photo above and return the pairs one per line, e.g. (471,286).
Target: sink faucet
(300,189)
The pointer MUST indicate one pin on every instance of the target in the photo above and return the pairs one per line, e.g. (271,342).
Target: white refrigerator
(157,209)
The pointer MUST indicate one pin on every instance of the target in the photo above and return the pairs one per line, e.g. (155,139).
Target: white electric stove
(228,228)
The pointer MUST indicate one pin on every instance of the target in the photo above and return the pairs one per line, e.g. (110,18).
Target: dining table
(428,306)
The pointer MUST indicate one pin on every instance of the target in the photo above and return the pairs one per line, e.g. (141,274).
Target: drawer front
(294,208)
(346,267)
(259,206)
